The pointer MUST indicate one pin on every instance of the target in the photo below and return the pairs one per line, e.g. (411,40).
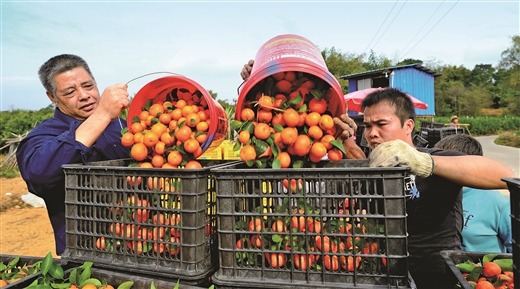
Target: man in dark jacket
(85,127)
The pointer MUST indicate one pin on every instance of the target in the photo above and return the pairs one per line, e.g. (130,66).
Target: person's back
(487,221)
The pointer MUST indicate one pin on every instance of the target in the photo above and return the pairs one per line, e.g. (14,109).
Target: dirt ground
(24,230)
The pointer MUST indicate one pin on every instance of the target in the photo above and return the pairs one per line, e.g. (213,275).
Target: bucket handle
(151,73)
(238,88)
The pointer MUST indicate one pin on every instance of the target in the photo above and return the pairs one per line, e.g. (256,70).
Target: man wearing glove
(437,176)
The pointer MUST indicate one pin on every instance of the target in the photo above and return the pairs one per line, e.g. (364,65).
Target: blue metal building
(413,79)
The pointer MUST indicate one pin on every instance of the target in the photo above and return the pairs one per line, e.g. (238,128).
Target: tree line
(460,90)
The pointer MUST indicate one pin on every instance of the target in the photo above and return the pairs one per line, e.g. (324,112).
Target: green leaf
(296,100)
(488,258)
(277,238)
(278,127)
(234,125)
(90,281)
(475,274)
(127,285)
(338,145)
(298,164)
(56,271)
(276,164)
(250,127)
(73,276)
(46,264)
(303,108)
(260,147)
(316,93)
(135,119)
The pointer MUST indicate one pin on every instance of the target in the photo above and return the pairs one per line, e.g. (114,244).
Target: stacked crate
(340,225)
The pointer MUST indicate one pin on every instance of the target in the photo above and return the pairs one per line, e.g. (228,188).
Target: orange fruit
(145,165)
(285,159)
(150,139)
(165,118)
(301,120)
(267,153)
(262,131)
(278,140)
(127,139)
(191,145)
(312,118)
(309,84)
(3,283)
(203,115)
(326,140)
(484,285)
(279,99)
(288,135)
(157,161)
(278,119)
(175,158)
(193,164)
(155,109)
(290,76)
(138,137)
(159,148)
(192,119)
(183,133)
(319,106)
(247,114)
(158,128)
(302,145)
(278,76)
(318,150)
(295,94)
(264,116)
(247,153)
(202,126)
(326,122)
(284,86)
(167,138)
(201,138)
(491,269)
(315,132)
(143,115)
(291,117)
(176,114)
(181,103)
(136,127)
(244,136)
(89,286)
(187,110)
(266,102)
(335,155)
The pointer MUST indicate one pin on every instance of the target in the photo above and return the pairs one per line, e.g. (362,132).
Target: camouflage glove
(397,152)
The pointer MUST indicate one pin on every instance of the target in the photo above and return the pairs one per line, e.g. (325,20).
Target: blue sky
(209,41)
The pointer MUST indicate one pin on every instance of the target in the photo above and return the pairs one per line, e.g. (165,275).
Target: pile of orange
(286,122)
(169,134)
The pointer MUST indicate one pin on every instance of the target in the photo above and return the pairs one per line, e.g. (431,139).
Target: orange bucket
(290,52)
(166,88)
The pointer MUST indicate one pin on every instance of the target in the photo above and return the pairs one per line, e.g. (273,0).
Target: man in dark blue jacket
(85,127)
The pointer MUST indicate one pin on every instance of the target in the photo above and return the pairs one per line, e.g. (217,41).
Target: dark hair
(404,108)
(59,64)
(462,143)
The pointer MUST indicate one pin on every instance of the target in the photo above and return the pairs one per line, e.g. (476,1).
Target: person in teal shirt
(487,220)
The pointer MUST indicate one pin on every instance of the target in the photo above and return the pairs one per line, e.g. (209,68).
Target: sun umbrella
(355,98)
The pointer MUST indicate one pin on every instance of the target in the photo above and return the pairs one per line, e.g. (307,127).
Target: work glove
(398,152)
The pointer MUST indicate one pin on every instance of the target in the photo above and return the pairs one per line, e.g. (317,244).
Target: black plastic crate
(513,185)
(348,221)
(453,258)
(436,134)
(142,220)
(26,261)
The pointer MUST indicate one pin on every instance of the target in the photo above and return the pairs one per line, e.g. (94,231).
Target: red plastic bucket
(164,88)
(289,52)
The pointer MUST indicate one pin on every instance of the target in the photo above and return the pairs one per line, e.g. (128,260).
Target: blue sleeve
(504,230)
(41,154)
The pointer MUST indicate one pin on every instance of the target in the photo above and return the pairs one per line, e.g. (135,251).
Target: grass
(509,138)
(6,172)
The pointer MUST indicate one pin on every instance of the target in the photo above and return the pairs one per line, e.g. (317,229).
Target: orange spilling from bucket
(171,122)
(286,122)
(284,114)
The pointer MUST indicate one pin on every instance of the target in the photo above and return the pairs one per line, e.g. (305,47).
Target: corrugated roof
(391,68)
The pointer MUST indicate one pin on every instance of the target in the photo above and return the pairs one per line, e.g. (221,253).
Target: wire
(380,27)
(431,29)
(422,27)
(389,25)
